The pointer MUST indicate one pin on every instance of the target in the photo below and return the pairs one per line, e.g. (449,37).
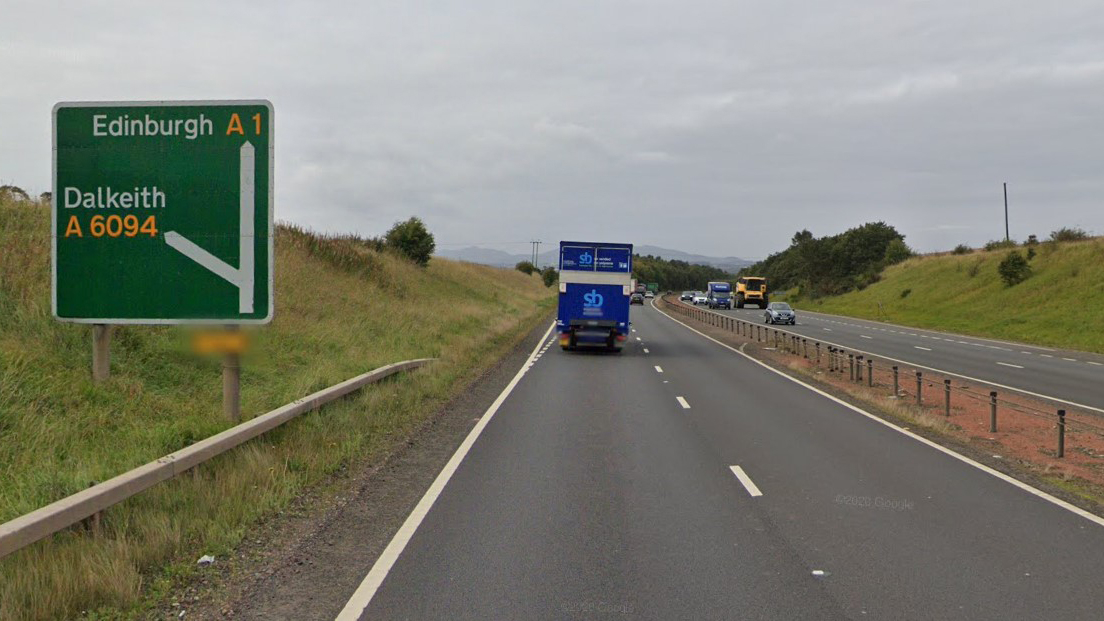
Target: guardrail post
(870,373)
(858,368)
(946,397)
(1061,433)
(851,364)
(993,411)
(896,385)
(818,353)
(231,387)
(919,387)
(805,345)
(776,339)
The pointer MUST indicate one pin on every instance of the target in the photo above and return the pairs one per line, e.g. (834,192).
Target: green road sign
(162,212)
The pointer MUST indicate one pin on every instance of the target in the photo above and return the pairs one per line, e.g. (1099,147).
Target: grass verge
(342,308)
(964,294)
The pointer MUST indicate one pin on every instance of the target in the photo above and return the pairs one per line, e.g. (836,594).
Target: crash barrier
(38,524)
(858,366)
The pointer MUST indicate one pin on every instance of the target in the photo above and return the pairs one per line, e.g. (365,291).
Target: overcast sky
(717,127)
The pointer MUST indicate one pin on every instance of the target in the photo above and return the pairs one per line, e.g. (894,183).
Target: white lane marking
(1094,363)
(1096,519)
(646,350)
(827,329)
(634,329)
(1026,352)
(659,369)
(638,338)
(1070,359)
(863,336)
(356,605)
(923,348)
(683,403)
(1005,364)
(971,378)
(746,480)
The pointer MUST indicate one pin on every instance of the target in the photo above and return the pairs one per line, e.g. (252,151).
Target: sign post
(162,214)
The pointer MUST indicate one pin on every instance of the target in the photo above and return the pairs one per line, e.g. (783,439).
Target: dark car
(636,299)
(687,296)
(780,312)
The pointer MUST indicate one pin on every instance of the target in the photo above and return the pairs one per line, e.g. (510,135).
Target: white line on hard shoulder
(923,348)
(745,480)
(1096,519)
(659,369)
(1005,364)
(354,608)
(683,403)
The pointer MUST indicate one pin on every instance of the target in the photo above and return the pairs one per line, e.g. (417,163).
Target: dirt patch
(1025,444)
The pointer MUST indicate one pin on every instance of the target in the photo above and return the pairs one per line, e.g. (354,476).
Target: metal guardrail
(855,364)
(38,524)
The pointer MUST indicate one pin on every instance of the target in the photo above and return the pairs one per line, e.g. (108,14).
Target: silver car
(780,312)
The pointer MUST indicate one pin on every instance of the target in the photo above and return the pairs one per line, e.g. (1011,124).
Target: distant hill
(498,258)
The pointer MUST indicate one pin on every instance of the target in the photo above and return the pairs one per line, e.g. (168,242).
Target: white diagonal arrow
(242,276)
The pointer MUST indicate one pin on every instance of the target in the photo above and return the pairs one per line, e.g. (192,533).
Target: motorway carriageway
(683,480)
(1069,377)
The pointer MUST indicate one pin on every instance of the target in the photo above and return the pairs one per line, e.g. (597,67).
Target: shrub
(973,271)
(962,249)
(1014,269)
(905,293)
(412,240)
(1066,234)
(1031,240)
(999,244)
(1030,254)
(526,267)
(550,276)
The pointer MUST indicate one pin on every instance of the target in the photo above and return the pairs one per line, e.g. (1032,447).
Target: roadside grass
(342,308)
(964,294)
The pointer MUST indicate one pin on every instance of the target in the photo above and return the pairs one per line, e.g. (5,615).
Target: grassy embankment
(341,310)
(964,294)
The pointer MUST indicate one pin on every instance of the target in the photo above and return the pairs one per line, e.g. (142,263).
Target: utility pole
(1006,236)
(536,255)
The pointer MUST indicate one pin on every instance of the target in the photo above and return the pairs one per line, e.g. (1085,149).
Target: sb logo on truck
(587,259)
(593,299)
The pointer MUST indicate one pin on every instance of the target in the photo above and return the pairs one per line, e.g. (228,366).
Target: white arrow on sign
(242,276)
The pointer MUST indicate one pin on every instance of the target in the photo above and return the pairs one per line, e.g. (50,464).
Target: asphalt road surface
(1072,377)
(681,480)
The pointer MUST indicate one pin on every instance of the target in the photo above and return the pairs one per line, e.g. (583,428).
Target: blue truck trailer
(595,285)
(719,295)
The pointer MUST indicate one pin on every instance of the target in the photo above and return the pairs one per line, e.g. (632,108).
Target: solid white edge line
(683,403)
(745,480)
(357,604)
(1092,517)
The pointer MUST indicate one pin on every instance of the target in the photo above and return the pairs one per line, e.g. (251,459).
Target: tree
(526,267)
(1014,269)
(412,240)
(550,276)
(897,251)
(13,193)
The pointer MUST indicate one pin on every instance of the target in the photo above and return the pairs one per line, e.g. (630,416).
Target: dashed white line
(923,348)
(646,350)
(1070,359)
(745,480)
(1006,364)
(1096,364)
(827,329)
(683,403)
(659,369)
(863,336)
(1046,355)
(638,338)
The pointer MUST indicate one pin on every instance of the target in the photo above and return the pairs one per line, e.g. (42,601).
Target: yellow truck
(751,290)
